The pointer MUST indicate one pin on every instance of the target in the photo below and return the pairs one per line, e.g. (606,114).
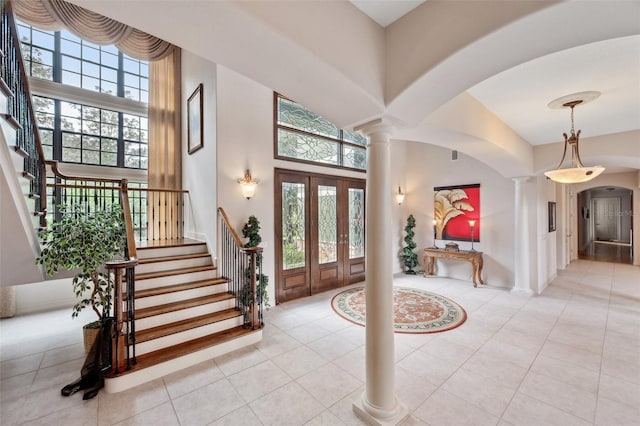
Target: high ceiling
(426,63)
(519,96)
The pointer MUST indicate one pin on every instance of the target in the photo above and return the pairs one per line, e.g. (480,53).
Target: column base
(378,417)
(524,291)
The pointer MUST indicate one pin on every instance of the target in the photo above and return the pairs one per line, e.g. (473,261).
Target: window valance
(55,15)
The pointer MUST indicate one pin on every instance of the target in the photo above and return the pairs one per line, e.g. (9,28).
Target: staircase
(184,313)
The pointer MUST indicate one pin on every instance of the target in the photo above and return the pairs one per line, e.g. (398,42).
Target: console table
(473,257)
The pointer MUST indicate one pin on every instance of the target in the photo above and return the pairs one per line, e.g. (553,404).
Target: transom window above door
(304,136)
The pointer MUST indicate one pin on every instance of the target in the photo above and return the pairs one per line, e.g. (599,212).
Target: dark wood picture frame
(195,127)
(552,216)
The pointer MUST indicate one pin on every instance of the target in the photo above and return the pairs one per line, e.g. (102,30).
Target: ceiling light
(576,173)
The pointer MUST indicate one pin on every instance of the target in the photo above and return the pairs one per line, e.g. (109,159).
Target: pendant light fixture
(576,172)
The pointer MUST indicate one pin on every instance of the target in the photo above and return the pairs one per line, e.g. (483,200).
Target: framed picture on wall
(457,212)
(552,216)
(194,120)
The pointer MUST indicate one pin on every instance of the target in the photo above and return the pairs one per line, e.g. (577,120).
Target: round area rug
(415,311)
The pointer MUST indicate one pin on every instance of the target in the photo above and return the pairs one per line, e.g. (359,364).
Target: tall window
(90,100)
(302,135)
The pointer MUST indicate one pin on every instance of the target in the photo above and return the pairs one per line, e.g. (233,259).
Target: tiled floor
(568,357)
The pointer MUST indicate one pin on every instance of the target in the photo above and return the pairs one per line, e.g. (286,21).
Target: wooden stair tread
(178,287)
(172,352)
(150,245)
(182,304)
(172,258)
(187,324)
(159,274)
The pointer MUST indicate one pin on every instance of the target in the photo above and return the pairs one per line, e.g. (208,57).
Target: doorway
(605,225)
(319,229)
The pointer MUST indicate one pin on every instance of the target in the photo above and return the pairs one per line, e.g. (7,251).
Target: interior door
(326,258)
(606,219)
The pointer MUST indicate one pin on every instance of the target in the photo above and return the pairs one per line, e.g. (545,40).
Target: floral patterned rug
(415,311)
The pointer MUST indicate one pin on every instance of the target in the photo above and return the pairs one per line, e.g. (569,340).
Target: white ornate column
(522,243)
(378,404)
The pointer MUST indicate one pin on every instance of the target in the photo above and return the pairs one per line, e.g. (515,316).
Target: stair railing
(20,113)
(242,267)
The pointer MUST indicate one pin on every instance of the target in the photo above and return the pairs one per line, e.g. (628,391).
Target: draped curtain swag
(55,15)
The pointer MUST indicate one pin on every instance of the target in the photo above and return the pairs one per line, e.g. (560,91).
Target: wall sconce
(248,185)
(399,196)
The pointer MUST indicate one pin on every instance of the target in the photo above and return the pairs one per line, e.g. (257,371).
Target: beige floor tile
(300,406)
(307,333)
(17,366)
(58,375)
(256,381)
(612,413)
(299,361)
(84,413)
(238,360)
(332,346)
(619,390)
(445,409)
(47,401)
(326,418)
(527,411)
(563,396)
(328,384)
(277,344)
(455,353)
(162,415)
(15,386)
(567,372)
(479,390)
(207,404)
(615,367)
(353,363)
(243,416)
(413,421)
(428,367)
(343,409)
(113,408)
(64,354)
(571,354)
(412,390)
(514,354)
(192,378)
(495,368)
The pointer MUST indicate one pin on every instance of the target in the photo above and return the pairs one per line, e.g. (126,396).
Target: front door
(319,233)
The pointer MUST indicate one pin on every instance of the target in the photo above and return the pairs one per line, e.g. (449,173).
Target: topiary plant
(85,241)
(251,230)
(409,258)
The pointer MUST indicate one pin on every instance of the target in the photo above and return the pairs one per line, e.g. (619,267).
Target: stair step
(159,363)
(172,248)
(172,258)
(28,176)
(177,287)
(34,196)
(21,152)
(167,263)
(172,272)
(184,304)
(183,325)
(184,291)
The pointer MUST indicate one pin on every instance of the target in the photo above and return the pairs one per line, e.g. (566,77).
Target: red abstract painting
(454,207)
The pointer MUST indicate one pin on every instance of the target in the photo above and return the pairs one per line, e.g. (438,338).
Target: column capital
(521,179)
(383,125)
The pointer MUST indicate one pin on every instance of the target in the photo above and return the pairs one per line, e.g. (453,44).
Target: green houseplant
(85,241)
(251,230)
(409,258)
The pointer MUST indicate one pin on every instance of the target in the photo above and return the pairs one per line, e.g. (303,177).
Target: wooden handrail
(178,191)
(235,235)
(57,172)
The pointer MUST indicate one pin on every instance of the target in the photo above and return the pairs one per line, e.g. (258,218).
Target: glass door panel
(327,224)
(293,225)
(356,223)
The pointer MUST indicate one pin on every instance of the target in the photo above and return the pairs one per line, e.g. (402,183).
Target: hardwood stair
(183,313)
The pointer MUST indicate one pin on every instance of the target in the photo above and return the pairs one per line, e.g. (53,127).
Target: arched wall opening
(605,226)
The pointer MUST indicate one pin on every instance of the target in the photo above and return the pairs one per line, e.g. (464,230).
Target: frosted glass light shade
(575,174)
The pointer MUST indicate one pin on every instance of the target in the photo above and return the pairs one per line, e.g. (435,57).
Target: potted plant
(85,241)
(251,230)
(409,258)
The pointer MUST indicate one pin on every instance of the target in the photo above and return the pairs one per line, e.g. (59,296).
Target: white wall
(428,166)
(199,169)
